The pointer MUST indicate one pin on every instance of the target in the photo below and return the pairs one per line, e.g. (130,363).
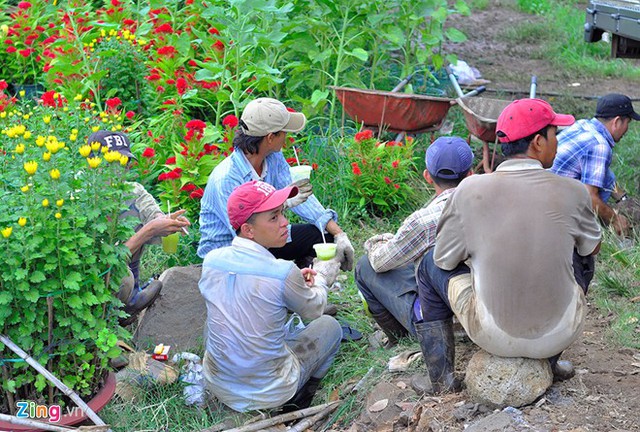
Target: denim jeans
(394,291)
(315,347)
(433,283)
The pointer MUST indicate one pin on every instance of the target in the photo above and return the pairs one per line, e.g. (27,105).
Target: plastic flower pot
(325,251)
(300,172)
(170,243)
(72,414)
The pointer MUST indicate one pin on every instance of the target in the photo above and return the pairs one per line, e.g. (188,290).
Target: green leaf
(10,386)
(5,298)
(74,301)
(37,276)
(455,35)
(359,53)
(32,296)
(20,273)
(72,281)
(319,96)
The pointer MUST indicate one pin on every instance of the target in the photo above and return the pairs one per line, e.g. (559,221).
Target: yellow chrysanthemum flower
(26,116)
(58,215)
(7,231)
(73,137)
(46,156)
(19,148)
(95,146)
(22,93)
(60,202)
(27,135)
(94,162)
(124,160)
(55,174)
(25,188)
(112,156)
(3,114)
(53,146)
(40,140)
(45,203)
(46,119)
(104,149)
(77,97)
(85,150)
(22,221)
(31,167)
(95,128)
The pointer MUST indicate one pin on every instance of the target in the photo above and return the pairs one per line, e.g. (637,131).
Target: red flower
(213,31)
(387,180)
(395,163)
(170,81)
(113,103)
(189,187)
(356,169)
(192,63)
(163,177)
(397,186)
(363,135)
(174,174)
(3,85)
(167,51)
(164,28)
(49,100)
(219,46)
(314,166)
(196,124)
(196,194)
(209,85)
(230,121)
(153,77)
(170,161)
(24,5)
(148,153)
(8,42)
(391,144)
(26,52)
(11,49)
(130,115)
(181,85)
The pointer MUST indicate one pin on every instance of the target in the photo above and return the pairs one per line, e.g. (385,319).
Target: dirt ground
(603,396)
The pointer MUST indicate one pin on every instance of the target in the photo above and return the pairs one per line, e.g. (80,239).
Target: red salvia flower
(356,169)
(197,194)
(130,115)
(148,153)
(364,135)
(230,121)
(395,163)
(170,161)
(113,103)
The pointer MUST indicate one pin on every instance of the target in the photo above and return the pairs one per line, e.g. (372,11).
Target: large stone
(177,317)
(500,381)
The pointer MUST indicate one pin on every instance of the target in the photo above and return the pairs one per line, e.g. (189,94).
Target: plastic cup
(300,172)
(170,243)
(325,251)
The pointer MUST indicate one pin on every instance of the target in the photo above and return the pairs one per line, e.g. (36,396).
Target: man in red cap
(511,258)
(253,359)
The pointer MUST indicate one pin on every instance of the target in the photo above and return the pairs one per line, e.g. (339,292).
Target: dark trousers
(433,283)
(300,248)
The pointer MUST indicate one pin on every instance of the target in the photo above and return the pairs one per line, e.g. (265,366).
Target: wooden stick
(33,424)
(50,341)
(310,421)
(10,399)
(294,415)
(49,376)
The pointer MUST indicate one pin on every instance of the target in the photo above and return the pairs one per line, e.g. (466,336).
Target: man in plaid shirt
(386,275)
(585,150)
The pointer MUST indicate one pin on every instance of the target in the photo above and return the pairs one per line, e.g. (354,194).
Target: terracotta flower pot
(76,415)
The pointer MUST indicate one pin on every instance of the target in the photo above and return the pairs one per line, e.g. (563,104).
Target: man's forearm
(333,228)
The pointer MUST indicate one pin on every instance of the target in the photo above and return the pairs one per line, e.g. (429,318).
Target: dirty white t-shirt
(517,229)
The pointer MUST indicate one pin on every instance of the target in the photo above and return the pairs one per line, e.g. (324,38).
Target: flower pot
(76,415)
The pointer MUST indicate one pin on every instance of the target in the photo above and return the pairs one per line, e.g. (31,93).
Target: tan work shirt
(517,229)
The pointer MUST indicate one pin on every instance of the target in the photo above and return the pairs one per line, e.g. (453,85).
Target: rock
(177,317)
(386,416)
(500,381)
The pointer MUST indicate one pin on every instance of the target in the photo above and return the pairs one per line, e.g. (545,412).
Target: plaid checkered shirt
(584,153)
(416,235)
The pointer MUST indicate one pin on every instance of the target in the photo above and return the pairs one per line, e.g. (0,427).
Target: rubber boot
(391,327)
(303,398)
(562,369)
(438,348)
(141,300)
(126,292)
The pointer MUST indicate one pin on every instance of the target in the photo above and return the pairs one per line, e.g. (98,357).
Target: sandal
(350,334)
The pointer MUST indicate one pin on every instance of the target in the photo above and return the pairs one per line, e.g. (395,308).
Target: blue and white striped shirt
(215,228)
(585,150)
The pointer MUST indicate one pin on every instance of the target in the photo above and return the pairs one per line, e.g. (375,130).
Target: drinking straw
(324,240)
(295,152)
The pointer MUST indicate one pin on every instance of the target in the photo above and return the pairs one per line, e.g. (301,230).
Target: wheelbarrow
(394,112)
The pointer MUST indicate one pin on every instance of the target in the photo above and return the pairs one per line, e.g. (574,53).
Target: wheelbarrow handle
(534,85)
(475,92)
(454,82)
(403,83)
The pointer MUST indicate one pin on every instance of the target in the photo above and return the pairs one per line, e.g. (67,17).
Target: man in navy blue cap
(585,151)
(386,275)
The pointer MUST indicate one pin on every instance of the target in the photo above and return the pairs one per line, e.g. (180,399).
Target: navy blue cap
(449,157)
(615,104)
(117,141)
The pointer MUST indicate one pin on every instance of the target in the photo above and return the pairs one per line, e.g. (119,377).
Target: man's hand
(378,238)
(304,192)
(326,271)
(162,226)
(308,275)
(620,224)
(344,251)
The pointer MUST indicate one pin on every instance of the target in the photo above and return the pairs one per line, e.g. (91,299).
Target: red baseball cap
(255,197)
(524,117)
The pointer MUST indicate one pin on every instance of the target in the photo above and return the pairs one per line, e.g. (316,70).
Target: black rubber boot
(391,327)
(140,301)
(562,369)
(438,348)
(303,398)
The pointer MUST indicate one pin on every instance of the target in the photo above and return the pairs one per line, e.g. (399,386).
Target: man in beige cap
(257,156)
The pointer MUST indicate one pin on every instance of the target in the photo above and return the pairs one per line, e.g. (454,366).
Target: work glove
(378,238)
(304,192)
(344,251)
(326,271)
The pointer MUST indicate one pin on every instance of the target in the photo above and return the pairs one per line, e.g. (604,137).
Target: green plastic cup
(170,243)
(300,172)
(325,251)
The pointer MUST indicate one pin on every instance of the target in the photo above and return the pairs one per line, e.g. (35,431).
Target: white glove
(344,251)
(304,192)
(327,271)
(378,238)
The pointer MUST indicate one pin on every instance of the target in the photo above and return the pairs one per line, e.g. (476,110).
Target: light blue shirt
(215,228)
(248,364)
